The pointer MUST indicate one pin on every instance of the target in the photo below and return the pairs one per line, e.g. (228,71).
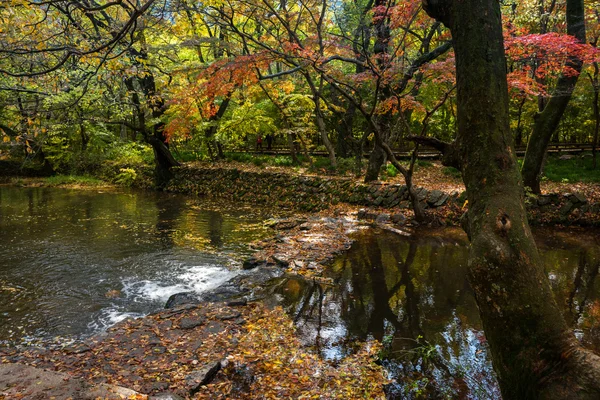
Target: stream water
(412,294)
(76,261)
(73,262)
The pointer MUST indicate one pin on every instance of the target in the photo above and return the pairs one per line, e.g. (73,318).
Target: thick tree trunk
(547,121)
(376,160)
(535,354)
(344,131)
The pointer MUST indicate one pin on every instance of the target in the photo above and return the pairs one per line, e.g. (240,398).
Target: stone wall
(308,193)
(313,193)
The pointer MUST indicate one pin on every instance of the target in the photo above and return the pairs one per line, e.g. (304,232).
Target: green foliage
(283,161)
(247,119)
(577,169)
(57,152)
(130,153)
(391,171)
(126,176)
(423,163)
(451,171)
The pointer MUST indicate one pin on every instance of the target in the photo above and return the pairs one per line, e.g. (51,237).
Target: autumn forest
(298,124)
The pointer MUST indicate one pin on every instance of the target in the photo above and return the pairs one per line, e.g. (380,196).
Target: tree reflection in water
(412,294)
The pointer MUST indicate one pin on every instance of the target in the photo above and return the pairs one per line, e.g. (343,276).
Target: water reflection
(413,295)
(75,261)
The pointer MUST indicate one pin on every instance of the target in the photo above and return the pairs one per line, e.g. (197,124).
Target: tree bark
(547,121)
(596,85)
(535,354)
(380,50)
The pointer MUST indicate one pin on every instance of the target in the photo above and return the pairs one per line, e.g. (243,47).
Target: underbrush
(576,169)
(320,164)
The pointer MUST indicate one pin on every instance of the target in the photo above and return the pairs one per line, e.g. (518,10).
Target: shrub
(126,176)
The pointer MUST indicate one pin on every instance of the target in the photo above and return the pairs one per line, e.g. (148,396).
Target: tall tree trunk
(380,50)
(319,119)
(376,160)
(292,146)
(535,354)
(596,85)
(547,121)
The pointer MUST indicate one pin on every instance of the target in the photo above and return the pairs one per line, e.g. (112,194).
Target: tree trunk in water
(547,121)
(535,354)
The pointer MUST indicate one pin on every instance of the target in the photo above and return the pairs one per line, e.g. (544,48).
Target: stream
(412,294)
(74,262)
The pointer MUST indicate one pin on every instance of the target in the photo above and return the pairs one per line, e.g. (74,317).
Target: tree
(78,43)
(546,122)
(535,355)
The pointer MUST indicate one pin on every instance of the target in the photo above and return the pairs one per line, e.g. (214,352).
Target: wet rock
(225,292)
(191,322)
(201,377)
(77,349)
(237,303)
(36,383)
(165,396)
(280,260)
(398,219)
(157,387)
(182,298)
(252,262)
(228,316)
(215,327)
(378,201)
(382,218)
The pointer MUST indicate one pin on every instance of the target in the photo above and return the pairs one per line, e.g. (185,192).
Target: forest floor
(205,351)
